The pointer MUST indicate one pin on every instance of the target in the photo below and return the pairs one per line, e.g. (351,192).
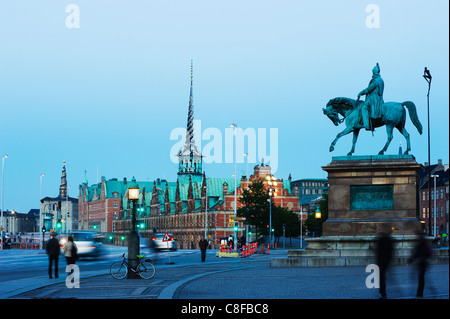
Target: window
(442,193)
(115,205)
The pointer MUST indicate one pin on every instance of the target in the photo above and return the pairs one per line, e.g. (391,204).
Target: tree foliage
(256,210)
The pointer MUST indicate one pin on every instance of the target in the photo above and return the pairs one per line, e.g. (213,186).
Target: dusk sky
(105,84)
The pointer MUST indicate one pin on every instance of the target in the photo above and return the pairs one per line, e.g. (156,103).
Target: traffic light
(59,224)
(94,227)
(141,225)
(122,238)
(44,229)
(236,225)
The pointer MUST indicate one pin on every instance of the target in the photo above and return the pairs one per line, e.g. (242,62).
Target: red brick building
(442,196)
(187,208)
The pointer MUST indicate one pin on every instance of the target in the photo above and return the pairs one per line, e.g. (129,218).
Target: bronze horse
(393,115)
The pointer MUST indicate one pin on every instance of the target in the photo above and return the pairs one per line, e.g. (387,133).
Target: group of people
(385,250)
(53,250)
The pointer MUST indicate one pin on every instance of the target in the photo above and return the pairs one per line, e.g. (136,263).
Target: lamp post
(271,181)
(247,239)
(434,195)
(206,210)
(318,216)
(40,212)
(427,76)
(133,237)
(234,126)
(1,205)
(301,226)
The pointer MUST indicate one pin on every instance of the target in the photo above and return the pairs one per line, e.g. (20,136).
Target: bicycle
(145,269)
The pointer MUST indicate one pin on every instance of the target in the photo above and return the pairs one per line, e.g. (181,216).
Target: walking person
(385,248)
(421,255)
(203,243)
(70,251)
(53,250)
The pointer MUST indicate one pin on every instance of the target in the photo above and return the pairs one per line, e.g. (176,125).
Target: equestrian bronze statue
(371,113)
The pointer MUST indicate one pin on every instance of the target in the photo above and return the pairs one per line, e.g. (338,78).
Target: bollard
(275,245)
(267,248)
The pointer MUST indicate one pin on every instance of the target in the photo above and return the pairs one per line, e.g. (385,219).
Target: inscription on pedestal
(372,197)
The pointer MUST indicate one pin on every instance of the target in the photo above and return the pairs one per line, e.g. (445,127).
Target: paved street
(23,275)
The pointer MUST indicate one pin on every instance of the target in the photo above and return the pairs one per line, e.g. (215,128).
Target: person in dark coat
(385,248)
(421,254)
(203,243)
(53,251)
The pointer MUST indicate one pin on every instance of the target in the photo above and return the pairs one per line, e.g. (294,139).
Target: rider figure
(374,98)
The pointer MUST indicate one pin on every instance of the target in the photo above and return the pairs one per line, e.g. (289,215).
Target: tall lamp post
(133,237)
(435,213)
(40,212)
(271,181)
(206,211)
(427,76)
(234,126)
(1,205)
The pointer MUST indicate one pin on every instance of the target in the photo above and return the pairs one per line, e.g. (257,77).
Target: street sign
(166,237)
(240,218)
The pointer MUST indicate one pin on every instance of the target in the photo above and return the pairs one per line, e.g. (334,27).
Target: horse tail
(413,115)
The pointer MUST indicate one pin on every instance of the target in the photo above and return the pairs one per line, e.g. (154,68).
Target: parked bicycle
(145,269)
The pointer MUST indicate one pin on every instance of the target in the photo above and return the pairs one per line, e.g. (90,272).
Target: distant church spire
(63,187)
(189,157)
(189,146)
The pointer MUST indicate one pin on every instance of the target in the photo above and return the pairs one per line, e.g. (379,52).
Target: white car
(159,244)
(88,243)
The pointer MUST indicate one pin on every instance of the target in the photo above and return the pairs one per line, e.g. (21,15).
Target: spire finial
(192,70)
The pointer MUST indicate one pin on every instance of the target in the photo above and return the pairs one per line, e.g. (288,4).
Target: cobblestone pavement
(247,278)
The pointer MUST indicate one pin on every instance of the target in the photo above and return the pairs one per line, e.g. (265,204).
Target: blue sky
(106,96)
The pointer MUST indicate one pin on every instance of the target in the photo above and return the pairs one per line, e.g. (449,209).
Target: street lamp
(133,237)
(271,181)
(427,76)
(234,126)
(40,211)
(1,205)
(246,226)
(318,216)
(434,192)
(206,209)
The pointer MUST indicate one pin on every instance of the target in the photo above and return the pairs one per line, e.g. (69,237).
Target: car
(159,244)
(88,243)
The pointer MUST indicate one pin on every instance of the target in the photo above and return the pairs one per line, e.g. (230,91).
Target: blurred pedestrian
(421,255)
(385,248)
(70,251)
(203,243)
(53,250)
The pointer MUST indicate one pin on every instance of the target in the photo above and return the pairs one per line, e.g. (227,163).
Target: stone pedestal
(368,192)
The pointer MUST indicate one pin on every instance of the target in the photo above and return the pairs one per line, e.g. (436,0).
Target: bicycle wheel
(146,270)
(119,270)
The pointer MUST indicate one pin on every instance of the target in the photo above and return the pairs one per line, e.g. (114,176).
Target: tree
(256,210)
(282,215)
(313,224)
(255,207)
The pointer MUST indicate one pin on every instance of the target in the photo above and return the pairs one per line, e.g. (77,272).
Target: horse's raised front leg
(389,130)
(355,138)
(343,133)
